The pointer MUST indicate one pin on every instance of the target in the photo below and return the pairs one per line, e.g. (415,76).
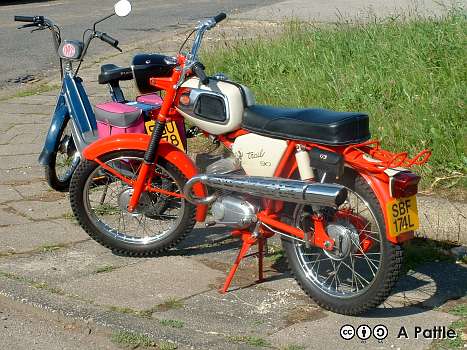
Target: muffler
(296,191)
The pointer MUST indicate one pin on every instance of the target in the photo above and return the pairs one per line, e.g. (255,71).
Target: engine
(234,211)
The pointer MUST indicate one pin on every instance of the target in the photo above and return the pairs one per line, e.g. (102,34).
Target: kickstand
(248,240)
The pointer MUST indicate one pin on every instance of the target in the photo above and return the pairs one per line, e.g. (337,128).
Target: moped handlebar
(26,18)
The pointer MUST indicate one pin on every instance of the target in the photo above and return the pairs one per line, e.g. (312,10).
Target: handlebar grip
(25,18)
(220,17)
(198,70)
(109,40)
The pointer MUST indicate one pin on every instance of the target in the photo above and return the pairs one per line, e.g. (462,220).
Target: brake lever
(38,28)
(27,25)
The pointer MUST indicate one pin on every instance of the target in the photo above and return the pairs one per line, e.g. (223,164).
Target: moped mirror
(122,8)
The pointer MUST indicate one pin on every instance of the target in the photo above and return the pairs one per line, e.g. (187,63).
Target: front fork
(150,156)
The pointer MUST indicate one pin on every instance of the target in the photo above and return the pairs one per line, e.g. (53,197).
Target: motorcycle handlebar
(220,17)
(108,39)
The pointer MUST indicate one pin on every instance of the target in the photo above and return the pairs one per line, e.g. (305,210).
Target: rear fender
(165,150)
(381,190)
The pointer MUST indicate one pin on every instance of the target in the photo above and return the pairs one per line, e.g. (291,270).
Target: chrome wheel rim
(105,197)
(351,270)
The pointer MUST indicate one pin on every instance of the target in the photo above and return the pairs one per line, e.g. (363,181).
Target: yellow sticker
(402,215)
(170,133)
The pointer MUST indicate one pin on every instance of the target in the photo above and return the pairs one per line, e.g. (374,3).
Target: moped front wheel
(360,271)
(99,200)
(64,160)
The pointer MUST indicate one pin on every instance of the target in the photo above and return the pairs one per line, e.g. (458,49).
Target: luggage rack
(369,156)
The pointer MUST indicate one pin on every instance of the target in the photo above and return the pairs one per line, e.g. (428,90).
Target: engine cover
(233,211)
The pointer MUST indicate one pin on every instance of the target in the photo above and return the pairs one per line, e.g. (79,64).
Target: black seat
(112,73)
(314,125)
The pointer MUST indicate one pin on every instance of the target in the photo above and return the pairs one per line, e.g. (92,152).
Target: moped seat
(117,114)
(313,125)
(113,73)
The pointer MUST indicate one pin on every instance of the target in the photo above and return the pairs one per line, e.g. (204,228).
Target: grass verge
(460,326)
(134,340)
(408,75)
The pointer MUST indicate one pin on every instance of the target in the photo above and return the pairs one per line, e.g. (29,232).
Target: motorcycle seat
(113,73)
(312,124)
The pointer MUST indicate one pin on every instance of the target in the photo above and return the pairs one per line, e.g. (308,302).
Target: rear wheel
(64,160)
(359,273)
(99,201)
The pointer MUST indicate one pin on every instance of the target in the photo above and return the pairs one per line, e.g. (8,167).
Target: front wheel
(359,273)
(64,160)
(99,201)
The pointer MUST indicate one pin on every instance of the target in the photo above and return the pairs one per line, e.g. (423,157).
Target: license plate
(170,134)
(403,215)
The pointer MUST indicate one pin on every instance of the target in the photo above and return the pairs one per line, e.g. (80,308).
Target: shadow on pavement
(426,288)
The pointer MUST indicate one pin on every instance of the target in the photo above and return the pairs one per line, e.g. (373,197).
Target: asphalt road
(24,53)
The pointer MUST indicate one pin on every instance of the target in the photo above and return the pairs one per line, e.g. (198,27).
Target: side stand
(248,240)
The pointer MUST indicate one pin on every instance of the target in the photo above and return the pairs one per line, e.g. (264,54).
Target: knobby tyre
(361,271)
(99,200)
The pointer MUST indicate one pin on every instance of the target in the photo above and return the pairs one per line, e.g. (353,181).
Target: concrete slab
(15,162)
(8,193)
(41,210)
(9,217)
(35,236)
(19,149)
(21,176)
(143,285)
(59,264)
(23,327)
(327,330)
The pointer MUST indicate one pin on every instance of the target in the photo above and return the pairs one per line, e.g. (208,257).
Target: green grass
(105,268)
(410,76)
(250,340)
(47,248)
(460,326)
(172,323)
(134,340)
(420,251)
(37,89)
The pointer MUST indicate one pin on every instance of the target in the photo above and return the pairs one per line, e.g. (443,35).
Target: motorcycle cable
(188,37)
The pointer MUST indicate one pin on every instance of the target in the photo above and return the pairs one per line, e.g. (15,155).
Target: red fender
(381,190)
(166,150)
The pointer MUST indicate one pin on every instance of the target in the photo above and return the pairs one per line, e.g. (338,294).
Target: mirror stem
(102,20)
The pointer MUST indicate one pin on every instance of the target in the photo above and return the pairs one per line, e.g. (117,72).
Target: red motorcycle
(341,203)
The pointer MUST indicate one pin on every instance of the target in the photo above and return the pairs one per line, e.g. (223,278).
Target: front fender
(165,150)
(60,116)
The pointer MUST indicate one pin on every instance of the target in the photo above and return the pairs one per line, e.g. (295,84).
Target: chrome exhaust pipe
(296,191)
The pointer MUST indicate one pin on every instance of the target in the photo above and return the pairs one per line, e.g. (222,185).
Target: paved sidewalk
(83,294)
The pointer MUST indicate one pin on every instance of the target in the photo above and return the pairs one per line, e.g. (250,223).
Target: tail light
(404,184)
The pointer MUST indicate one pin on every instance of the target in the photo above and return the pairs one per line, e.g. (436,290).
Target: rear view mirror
(122,8)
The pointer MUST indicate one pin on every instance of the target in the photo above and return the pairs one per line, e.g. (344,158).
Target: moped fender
(60,116)
(165,150)
(381,190)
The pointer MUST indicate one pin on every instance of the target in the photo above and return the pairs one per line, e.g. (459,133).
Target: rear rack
(369,156)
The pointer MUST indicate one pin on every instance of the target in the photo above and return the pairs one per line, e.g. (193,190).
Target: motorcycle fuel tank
(217,107)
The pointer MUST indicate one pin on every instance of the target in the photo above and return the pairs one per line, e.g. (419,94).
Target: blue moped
(73,125)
